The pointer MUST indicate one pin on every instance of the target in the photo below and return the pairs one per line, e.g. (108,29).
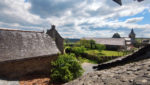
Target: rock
(141,81)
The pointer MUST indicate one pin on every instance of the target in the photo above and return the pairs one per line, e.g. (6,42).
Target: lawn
(105,53)
(82,60)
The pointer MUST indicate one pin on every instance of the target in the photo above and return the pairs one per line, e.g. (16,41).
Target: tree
(65,68)
(116,35)
(92,44)
(100,47)
(88,43)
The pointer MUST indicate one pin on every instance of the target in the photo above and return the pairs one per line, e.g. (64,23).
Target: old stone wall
(16,69)
(140,54)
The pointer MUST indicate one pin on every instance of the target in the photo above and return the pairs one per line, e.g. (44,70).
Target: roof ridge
(21,30)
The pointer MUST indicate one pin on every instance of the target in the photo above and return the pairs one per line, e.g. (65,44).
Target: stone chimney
(57,38)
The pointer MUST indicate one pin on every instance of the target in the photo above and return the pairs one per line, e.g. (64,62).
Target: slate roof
(109,41)
(15,44)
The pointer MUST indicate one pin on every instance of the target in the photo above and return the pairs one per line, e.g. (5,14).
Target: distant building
(145,41)
(132,35)
(111,43)
(116,42)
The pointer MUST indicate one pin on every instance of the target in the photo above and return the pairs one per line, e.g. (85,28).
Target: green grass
(82,60)
(112,53)
(104,53)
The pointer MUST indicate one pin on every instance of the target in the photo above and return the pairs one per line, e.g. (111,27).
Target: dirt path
(88,67)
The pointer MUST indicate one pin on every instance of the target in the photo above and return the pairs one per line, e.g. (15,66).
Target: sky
(77,18)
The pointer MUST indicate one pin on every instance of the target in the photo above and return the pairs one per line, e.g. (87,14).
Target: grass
(112,53)
(105,53)
(82,60)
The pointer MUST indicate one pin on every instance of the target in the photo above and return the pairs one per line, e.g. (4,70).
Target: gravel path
(5,82)
(88,67)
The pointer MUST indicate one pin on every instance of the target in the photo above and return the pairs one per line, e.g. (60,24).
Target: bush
(78,50)
(65,68)
(68,49)
(100,47)
(90,44)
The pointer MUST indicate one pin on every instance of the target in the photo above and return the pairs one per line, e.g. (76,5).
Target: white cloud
(73,18)
(134,20)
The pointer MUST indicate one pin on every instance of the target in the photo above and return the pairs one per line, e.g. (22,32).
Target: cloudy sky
(77,18)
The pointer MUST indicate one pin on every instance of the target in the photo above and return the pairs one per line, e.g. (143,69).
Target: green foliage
(112,53)
(65,68)
(102,56)
(82,60)
(68,49)
(78,50)
(100,47)
(104,53)
(93,52)
(116,35)
(138,43)
(88,43)
(84,43)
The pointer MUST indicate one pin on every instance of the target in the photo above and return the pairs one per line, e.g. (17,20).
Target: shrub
(100,47)
(78,50)
(90,44)
(68,49)
(65,68)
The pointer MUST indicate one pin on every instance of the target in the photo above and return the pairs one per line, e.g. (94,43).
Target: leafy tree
(100,47)
(88,43)
(116,35)
(65,68)
(92,44)
(84,43)
(68,49)
(78,50)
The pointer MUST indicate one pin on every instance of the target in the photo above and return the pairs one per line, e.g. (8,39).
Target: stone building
(110,43)
(117,42)
(26,52)
(132,35)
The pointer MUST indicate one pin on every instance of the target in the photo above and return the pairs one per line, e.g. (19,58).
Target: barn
(112,43)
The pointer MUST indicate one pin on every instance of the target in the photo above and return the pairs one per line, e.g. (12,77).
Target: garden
(68,65)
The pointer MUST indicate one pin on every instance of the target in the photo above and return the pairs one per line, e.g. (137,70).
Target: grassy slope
(82,60)
(104,53)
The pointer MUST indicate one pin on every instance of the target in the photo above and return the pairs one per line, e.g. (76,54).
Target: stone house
(26,52)
(110,43)
(132,35)
(124,43)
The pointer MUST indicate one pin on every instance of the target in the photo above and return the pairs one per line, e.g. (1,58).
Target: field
(105,53)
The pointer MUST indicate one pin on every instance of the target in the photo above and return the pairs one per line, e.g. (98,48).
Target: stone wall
(16,69)
(140,54)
